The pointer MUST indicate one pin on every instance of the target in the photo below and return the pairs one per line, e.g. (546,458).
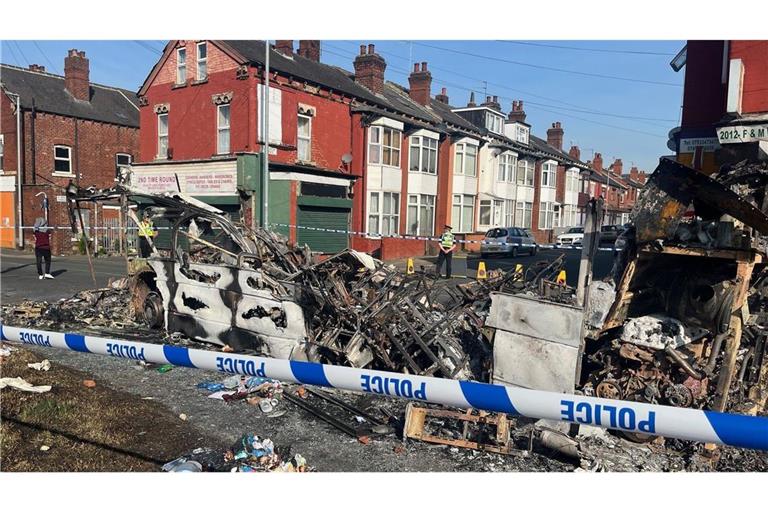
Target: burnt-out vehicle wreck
(222,282)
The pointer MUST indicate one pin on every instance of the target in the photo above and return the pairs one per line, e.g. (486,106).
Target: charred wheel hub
(153,310)
(608,389)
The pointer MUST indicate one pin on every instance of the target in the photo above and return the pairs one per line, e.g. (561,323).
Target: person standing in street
(146,233)
(447,245)
(43,248)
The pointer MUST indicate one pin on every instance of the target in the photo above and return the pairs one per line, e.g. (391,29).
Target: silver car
(508,241)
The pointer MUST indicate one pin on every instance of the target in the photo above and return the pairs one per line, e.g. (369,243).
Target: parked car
(493,238)
(609,233)
(574,236)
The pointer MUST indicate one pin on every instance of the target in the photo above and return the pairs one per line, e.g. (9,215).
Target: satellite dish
(347,158)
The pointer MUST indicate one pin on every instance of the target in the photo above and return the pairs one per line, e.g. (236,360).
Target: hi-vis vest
(146,229)
(447,240)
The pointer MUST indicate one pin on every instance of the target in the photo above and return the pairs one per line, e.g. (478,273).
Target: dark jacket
(42,240)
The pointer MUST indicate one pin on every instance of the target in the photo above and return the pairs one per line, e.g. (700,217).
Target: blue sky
(627,118)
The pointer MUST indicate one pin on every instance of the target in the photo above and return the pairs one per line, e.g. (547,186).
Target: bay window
(507,164)
(423,155)
(524,214)
(466,159)
(384,146)
(421,214)
(525,172)
(548,174)
(572,180)
(546,215)
(383,213)
(463,213)
(509,212)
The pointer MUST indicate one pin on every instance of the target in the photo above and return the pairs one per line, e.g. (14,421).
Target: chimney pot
(36,67)
(76,75)
(495,99)
(362,49)
(443,91)
(423,66)
(416,67)
(371,49)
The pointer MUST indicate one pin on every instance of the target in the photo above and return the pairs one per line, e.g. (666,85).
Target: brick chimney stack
(517,114)
(420,81)
(555,136)
(637,175)
(76,75)
(285,46)
(575,153)
(471,103)
(369,69)
(309,49)
(443,96)
(492,102)
(617,166)
(37,67)
(597,162)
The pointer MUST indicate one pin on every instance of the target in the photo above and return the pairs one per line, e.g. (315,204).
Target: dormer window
(521,134)
(494,123)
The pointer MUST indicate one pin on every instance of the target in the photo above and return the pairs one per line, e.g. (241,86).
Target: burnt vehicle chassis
(705,272)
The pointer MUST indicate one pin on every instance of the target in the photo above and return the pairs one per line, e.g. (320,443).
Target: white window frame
(220,150)
(487,206)
(387,223)
(419,203)
(163,135)
(546,214)
(549,175)
(526,177)
(181,68)
(466,213)
(425,147)
(507,168)
(509,212)
(118,165)
(204,61)
(494,122)
(524,214)
(68,159)
(306,139)
(381,148)
(571,180)
(460,164)
(521,134)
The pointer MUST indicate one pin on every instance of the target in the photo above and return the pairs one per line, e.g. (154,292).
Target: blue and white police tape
(369,234)
(690,424)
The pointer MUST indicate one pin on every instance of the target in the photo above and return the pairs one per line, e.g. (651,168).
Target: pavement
(19,280)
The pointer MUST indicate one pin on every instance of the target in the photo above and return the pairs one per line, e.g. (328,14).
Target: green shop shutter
(326,218)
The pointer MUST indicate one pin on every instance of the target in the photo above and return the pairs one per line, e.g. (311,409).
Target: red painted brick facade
(754,57)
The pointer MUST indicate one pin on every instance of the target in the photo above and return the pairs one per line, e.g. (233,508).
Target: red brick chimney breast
(284,46)
(420,81)
(555,136)
(369,69)
(309,49)
(76,75)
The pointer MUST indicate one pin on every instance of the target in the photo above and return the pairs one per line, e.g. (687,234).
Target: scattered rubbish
(227,348)
(45,448)
(43,365)
(183,417)
(364,440)
(165,368)
(190,466)
(22,385)
(254,454)
(265,405)
(89,383)
(211,386)
(5,350)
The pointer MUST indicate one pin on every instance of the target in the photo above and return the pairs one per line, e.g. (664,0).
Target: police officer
(146,233)
(447,245)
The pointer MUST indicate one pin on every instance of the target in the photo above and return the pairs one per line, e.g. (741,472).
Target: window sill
(63,174)
(161,158)
(178,86)
(199,82)
(422,172)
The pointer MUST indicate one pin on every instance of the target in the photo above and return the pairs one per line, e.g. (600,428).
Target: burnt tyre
(153,310)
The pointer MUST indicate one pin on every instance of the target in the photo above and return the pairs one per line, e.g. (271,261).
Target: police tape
(369,234)
(689,424)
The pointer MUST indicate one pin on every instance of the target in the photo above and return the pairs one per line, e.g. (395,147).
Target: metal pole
(19,194)
(265,160)
(87,248)
(591,244)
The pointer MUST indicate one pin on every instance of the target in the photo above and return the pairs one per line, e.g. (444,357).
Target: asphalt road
(19,280)
(467,265)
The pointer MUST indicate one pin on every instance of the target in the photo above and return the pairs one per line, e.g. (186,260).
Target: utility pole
(265,143)
(19,193)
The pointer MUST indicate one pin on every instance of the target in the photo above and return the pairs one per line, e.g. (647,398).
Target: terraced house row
(353,152)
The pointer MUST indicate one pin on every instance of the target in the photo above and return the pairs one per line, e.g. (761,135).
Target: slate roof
(107,104)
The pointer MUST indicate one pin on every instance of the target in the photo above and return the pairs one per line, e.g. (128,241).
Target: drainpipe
(19,194)
(33,147)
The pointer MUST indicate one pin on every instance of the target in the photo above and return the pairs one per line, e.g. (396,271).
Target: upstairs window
(494,123)
(507,164)
(62,160)
(572,180)
(525,172)
(304,138)
(466,159)
(162,135)
(521,134)
(181,66)
(548,174)
(202,61)
(122,161)
(384,146)
(222,130)
(423,156)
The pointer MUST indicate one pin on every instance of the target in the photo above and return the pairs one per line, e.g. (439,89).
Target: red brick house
(72,130)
